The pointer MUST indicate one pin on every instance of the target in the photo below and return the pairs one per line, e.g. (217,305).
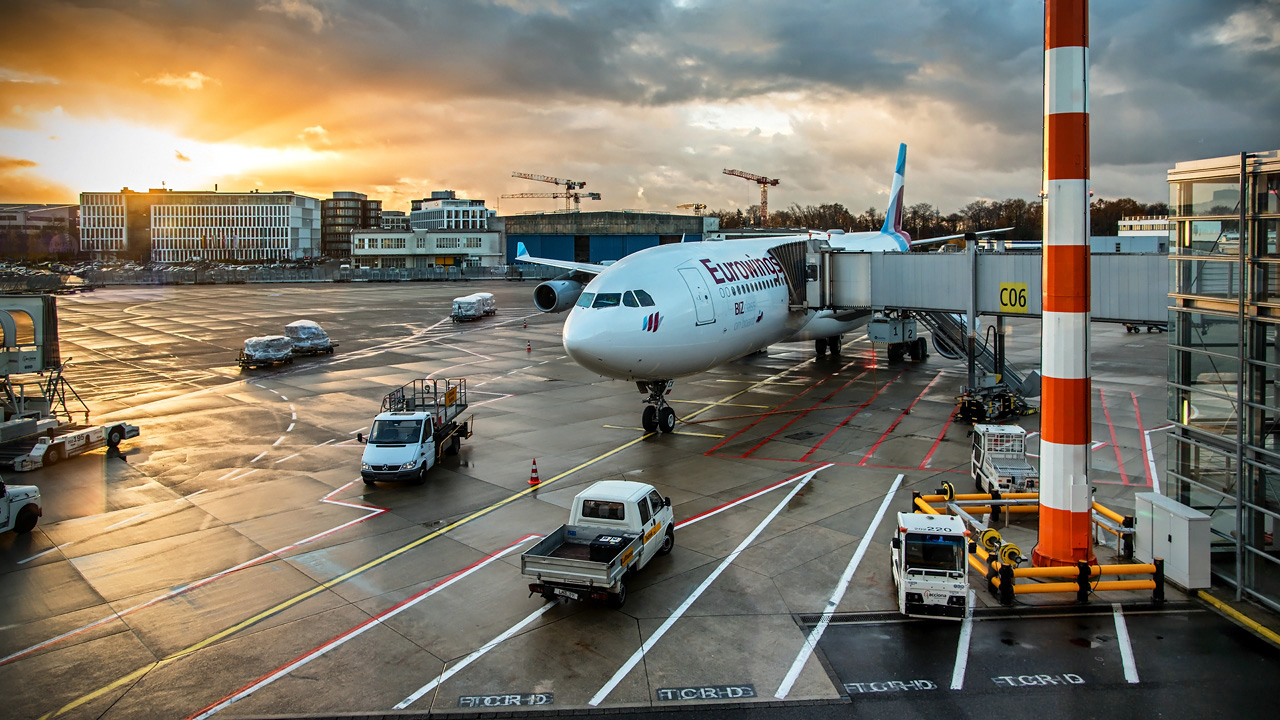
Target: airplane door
(701,295)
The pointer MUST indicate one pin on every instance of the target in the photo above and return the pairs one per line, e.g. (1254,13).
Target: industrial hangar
(603,236)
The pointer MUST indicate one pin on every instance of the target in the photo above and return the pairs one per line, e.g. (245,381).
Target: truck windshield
(934,552)
(603,510)
(395,432)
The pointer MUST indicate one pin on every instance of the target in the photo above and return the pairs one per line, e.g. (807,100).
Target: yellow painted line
(624,427)
(136,674)
(716,402)
(1241,618)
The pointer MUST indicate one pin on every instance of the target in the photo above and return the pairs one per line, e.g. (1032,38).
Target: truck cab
(19,508)
(929,566)
(615,528)
(999,460)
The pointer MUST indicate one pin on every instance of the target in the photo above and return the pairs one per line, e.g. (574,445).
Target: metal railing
(253,274)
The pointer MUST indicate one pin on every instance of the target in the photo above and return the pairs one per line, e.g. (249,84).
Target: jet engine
(555,296)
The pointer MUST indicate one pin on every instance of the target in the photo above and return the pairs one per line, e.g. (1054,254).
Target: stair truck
(19,508)
(999,460)
(615,527)
(929,566)
(419,423)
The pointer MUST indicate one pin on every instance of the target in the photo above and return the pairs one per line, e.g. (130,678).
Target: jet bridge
(943,289)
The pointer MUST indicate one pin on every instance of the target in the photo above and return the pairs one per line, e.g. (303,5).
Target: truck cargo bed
(572,551)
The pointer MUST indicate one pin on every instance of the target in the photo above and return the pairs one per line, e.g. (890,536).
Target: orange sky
(646,101)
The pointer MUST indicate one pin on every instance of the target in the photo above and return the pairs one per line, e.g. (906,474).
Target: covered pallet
(266,350)
(308,338)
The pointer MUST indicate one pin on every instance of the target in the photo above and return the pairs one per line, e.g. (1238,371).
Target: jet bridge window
(644,298)
(607,300)
(629,299)
(603,510)
(584,300)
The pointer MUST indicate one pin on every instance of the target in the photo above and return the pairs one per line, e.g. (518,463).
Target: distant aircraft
(676,310)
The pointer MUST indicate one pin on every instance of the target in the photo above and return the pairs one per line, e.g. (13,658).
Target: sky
(647,101)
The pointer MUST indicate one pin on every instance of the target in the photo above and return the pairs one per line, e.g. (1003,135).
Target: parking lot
(234,564)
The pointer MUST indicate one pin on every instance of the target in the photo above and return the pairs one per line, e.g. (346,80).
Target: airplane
(676,310)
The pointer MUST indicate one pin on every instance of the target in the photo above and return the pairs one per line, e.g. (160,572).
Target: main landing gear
(658,415)
(821,345)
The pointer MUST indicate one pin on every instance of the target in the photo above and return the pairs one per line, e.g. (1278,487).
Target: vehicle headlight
(409,465)
(364,466)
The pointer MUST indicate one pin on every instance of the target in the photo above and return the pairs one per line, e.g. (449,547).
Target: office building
(32,229)
(395,220)
(343,214)
(426,248)
(444,210)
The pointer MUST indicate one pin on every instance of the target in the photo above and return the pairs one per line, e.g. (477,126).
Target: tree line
(923,220)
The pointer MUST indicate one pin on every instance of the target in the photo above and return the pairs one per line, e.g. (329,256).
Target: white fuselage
(712,302)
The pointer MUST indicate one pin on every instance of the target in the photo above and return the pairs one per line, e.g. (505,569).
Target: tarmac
(232,563)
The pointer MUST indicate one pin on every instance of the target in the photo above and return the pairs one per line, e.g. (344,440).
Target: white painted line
(290,428)
(283,397)
(229,474)
(278,441)
(276,392)
(353,432)
(326,442)
(188,497)
(1126,648)
(1151,463)
(354,633)
(292,409)
(293,416)
(287,458)
(46,552)
(241,477)
(962,646)
(259,385)
(260,456)
(653,639)
(473,657)
(811,641)
(122,522)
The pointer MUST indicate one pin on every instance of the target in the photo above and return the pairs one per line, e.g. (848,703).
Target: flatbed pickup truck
(614,528)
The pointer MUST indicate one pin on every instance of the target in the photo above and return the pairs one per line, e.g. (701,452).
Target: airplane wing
(522,254)
(944,238)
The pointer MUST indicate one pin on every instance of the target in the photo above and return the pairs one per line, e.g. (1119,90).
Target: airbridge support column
(1066,393)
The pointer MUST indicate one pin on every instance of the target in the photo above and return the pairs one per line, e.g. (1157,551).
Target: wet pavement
(233,564)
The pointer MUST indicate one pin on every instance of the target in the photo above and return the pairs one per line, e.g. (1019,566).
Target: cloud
(8,164)
(18,185)
(191,81)
(315,137)
(177,154)
(298,10)
(16,76)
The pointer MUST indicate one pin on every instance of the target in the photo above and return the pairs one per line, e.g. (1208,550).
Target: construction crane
(569,197)
(696,207)
(764,184)
(569,185)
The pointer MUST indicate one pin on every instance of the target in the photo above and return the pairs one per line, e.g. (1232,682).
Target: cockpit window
(584,300)
(645,300)
(604,300)
(629,299)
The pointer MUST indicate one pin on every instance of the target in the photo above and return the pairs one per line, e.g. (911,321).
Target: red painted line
(736,501)
(901,415)
(843,464)
(845,421)
(1119,462)
(929,456)
(1142,440)
(800,415)
(779,407)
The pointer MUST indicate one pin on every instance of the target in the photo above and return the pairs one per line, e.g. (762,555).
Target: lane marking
(811,640)
(326,442)
(230,472)
(354,632)
(277,462)
(260,456)
(962,646)
(929,456)
(283,397)
(845,421)
(278,441)
(290,428)
(353,432)
(1151,462)
(293,416)
(46,552)
(322,587)
(123,522)
(734,503)
(897,420)
(809,409)
(1126,648)
(473,656)
(188,497)
(1144,439)
(1240,617)
(653,639)
(1124,476)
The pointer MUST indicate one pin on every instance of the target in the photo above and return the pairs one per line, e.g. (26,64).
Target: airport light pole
(1066,500)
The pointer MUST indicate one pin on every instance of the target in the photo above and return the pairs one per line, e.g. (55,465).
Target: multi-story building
(425,248)
(395,220)
(1224,362)
(169,226)
(29,228)
(341,215)
(444,210)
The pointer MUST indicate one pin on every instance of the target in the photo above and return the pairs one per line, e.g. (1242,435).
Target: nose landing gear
(658,415)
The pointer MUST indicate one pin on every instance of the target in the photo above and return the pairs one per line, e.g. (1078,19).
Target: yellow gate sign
(451,395)
(1013,298)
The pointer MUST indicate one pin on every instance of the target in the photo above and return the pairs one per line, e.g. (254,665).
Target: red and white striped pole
(1066,418)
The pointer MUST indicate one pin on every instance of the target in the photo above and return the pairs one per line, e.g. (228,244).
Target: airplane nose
(588,343)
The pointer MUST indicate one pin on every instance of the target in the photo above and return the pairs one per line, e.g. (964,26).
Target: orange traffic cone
(533,476)
(525,325)
(528,346)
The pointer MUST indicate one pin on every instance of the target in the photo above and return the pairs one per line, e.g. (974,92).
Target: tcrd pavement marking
(280,607)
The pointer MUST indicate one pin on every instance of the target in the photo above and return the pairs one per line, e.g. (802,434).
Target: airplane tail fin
(893,216)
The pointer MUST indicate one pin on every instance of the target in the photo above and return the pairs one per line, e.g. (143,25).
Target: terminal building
(440,231)
(169,226)
(341,215)
(601,236)
(31,228)
(1224,362)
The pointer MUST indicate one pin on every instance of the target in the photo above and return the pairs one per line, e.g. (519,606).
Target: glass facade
(343,214)
(1224,363)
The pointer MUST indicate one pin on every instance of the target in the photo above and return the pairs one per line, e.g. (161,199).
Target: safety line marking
(1124,476)
(473,656)
(283,397)
(934,448)
(962,645)
(278,441)
(46,552)
(322,587)
(734,503)
(290,428)
(354,632)
(188,497)
(901,415)
(290,457)
(1143,439)
(1151,461)
(230,472)
(653,639)
(1126,648)
(326,442)
(845,421)
(123,522)
(761,419)
(811,640)
(807,410)
(260,456)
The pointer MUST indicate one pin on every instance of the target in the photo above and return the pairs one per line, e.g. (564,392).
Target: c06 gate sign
(1013,298)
